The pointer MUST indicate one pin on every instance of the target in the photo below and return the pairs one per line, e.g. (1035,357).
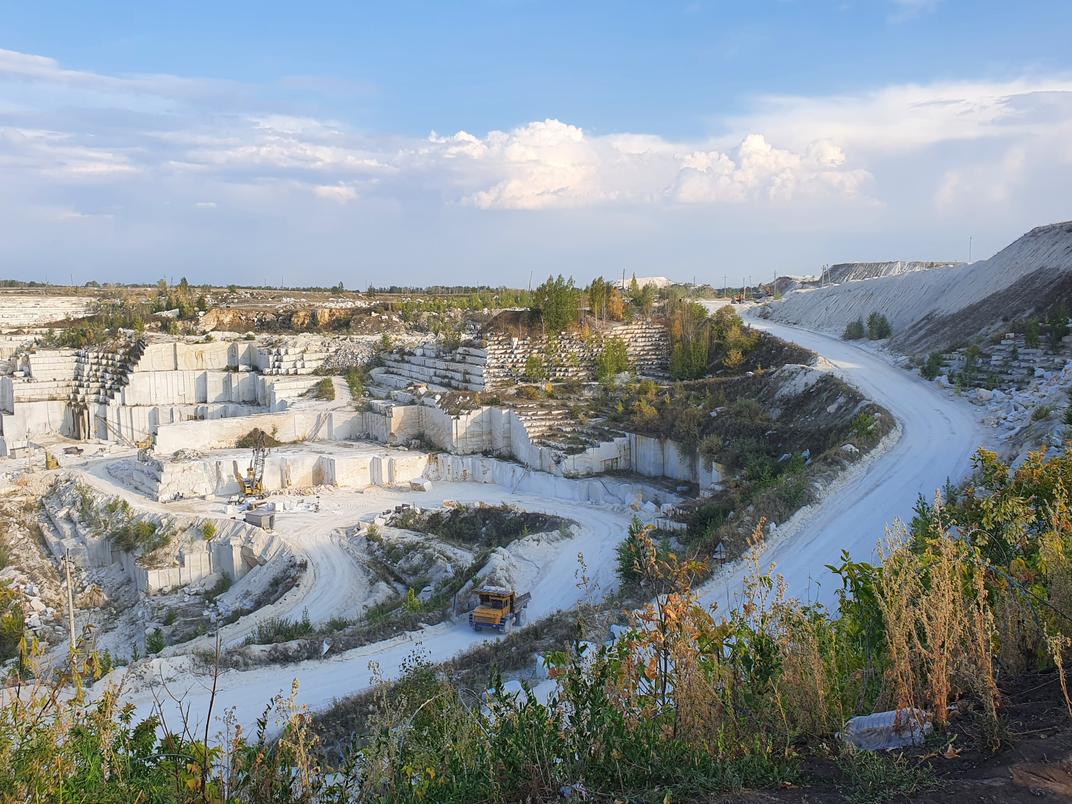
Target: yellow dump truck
(499,609)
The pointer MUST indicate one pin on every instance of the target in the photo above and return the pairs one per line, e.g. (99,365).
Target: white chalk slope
(907,297)
(938,435)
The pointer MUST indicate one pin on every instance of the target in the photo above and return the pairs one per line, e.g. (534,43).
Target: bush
(141,537)
(613,360)
(154,641)
(355,381)
(878,327)
(1041,412)
(534,369)
(208,531)
(280,629)
(324,389)
(710,448)
(854,330)
(12,622)
(932,367)
(631,553)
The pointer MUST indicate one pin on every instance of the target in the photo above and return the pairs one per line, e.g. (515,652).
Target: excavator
(252,482)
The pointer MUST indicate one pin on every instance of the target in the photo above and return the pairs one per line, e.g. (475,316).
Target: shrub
(932,367)
(1041,412)
(12,622)
(878,327)
(355,381)
(208,530)
(863,426)
(280,629)
(710,448)
(632,555)
(534,369)
(613,360)
(154,641)
(854,330)
(324,389)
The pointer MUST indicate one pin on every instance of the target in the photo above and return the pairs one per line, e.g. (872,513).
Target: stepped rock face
(501,360)
(932,309)
(126,392)
(21,310)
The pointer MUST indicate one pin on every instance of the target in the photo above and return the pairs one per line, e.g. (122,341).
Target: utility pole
(70,602)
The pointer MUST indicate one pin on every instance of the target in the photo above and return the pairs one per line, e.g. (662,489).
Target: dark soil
(1034,764)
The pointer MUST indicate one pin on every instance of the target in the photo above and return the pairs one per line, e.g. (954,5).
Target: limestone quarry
(311,487)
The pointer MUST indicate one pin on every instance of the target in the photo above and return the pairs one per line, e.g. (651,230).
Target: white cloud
(132,146)
(335,192)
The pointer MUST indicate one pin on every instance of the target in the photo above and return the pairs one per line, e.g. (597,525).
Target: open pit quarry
(154,438)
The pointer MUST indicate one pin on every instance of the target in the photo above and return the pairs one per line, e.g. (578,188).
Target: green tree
(878,327)
(932,367)
(558,301)
(854,330)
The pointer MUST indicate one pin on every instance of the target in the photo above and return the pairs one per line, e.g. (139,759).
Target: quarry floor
(334,585)
(934,441)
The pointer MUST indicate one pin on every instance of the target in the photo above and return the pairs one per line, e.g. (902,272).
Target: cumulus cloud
(123,146)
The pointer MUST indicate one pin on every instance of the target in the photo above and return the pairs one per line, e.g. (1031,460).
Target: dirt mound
(257,438)
(930,308)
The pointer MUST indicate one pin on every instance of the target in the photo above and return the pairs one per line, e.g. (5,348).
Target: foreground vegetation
(687,702)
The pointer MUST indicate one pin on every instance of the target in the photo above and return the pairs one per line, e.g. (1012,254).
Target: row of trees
(877,328)
(559,301)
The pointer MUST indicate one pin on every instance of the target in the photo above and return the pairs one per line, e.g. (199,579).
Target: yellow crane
(252,482)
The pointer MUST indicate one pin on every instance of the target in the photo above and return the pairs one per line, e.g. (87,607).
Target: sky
(494,141)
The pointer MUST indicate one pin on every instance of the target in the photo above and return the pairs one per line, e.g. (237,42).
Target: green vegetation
(324,389)
(154,641)
(687,704)
(873,778)
(932,367)
(12,622)
(854,330)
(280,629)
(355,381)
(878,327)
(534,369)
(140,537)
(1041,412)
(558,301)
(613,360)
(208,530)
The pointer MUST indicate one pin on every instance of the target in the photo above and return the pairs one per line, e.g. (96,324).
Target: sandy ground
(333,589)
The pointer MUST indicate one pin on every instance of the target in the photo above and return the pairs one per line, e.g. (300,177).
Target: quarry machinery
(499,608)
(252,482)
(143,445)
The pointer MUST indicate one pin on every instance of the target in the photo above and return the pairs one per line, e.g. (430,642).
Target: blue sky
(476,142)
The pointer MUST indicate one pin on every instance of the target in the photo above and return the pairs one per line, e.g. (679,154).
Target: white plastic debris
(886,731)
